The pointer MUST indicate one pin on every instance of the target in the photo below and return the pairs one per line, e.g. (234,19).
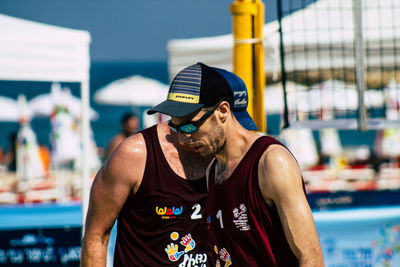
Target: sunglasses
(193,126)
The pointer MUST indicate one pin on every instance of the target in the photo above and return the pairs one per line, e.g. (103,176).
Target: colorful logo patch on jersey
(169,213)
(224,256)
(241,219)
(176,252)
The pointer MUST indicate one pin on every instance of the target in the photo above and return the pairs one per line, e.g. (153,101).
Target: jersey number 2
(196,213)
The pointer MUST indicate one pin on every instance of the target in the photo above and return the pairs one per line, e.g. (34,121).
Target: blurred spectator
(9,157)
(129,126)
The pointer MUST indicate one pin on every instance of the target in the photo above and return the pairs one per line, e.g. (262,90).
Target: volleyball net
(340,63)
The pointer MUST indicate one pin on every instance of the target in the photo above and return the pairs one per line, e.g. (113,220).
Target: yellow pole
(259,77)
(243,11)
(248,57)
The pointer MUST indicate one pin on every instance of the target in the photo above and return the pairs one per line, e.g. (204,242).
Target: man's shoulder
(277,152)
(131,151)
(276,157)
(134,144)
(130,148)
(265,144)
(278,170)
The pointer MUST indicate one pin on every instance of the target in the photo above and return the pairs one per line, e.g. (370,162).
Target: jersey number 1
(219,217)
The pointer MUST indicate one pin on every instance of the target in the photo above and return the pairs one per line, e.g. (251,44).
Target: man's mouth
(197,148)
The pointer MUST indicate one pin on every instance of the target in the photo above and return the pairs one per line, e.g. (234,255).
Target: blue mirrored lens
(188,128)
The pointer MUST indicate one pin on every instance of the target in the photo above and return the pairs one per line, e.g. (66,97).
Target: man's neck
(184,162)
(238,142)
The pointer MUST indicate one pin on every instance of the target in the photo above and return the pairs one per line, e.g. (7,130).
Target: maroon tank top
(243,229)
(164,223)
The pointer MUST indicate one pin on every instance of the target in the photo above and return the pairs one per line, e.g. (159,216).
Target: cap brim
(175,109)
(245,120)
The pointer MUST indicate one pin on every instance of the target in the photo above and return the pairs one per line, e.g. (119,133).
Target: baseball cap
(199,86)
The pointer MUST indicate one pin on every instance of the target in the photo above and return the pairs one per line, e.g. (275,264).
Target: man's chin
(205,153)
(201,150)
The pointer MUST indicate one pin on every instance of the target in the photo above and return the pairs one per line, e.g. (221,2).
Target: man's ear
(224,110)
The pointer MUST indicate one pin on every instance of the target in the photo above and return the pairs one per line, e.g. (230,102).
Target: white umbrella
(45,104)
(132,91)
(9,110)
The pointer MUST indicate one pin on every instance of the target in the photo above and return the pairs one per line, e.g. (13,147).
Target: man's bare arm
(281,184)
(119,177)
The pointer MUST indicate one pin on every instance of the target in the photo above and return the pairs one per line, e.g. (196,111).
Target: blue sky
(132,30)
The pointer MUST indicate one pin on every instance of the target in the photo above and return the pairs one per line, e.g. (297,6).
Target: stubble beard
(217,140)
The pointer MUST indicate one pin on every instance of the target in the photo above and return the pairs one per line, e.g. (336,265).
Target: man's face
(209,138)
(131,126)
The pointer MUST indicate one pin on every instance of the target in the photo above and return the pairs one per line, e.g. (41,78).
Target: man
(157,190)
(258,214)
(129,126)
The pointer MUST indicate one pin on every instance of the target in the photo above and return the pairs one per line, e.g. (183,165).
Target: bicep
(298,224)
(281,182)
(104,205)
(115,181)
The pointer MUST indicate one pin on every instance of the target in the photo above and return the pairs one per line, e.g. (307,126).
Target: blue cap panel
(240,99)
(238,87)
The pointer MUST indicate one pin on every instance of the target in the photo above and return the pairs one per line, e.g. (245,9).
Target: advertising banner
(360,237)
(40,247)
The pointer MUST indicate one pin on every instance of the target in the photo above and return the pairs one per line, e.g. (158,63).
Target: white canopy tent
(32,51)
(216,51)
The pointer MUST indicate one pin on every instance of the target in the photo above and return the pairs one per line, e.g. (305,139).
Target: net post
(359,67)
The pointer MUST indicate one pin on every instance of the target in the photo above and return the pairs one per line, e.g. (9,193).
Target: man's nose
(184,138)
